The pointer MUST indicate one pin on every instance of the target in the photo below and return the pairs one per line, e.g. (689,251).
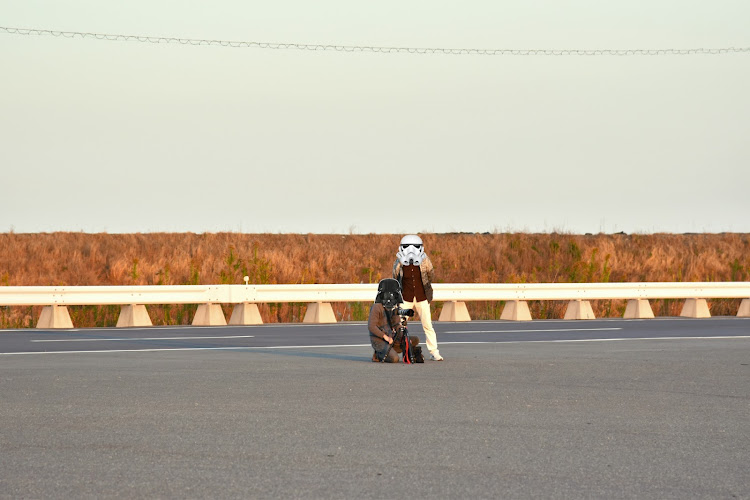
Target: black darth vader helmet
(389,293)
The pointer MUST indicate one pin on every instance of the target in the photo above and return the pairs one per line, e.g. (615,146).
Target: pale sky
(103,136)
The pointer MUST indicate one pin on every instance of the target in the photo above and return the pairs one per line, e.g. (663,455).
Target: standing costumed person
(413,270)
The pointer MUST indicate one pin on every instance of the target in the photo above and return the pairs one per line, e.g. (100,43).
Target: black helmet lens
(389,299)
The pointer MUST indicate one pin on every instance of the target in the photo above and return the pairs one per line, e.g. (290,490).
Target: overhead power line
(374,48)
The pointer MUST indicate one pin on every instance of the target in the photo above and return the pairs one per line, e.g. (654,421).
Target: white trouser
(423,311)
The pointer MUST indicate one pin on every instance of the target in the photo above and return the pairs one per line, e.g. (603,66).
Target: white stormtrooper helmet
(411,250)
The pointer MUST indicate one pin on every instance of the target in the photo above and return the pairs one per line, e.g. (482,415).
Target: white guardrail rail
(133,299)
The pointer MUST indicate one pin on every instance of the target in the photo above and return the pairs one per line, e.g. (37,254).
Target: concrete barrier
(695,308)
(133,315)
(638,309)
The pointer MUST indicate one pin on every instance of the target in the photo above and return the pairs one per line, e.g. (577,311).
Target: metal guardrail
(591,291)
(183,294)
(320,296)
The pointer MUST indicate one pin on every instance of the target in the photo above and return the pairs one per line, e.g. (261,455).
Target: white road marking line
(349,323)
(246,348)
(563,341)
(184,327)
(545,330)
(148,338)
(249,348)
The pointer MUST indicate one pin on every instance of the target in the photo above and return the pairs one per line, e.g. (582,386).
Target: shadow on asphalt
(321,355)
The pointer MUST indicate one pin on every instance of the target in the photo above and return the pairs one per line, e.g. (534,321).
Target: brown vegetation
(187,258)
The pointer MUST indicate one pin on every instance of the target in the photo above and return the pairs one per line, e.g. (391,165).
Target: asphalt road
(566,409)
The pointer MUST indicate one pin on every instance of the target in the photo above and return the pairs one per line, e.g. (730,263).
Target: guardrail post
(638,309)
(133,315)
(516,310)
(209,315)
(695,308)
(54,317)
(246,314)
(744,311)
(579,309)
(454,311)
(319,312)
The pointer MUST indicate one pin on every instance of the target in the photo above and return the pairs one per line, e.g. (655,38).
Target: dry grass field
(211,258)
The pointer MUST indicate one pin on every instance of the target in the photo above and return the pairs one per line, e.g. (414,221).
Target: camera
(401,328)
(405,312)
